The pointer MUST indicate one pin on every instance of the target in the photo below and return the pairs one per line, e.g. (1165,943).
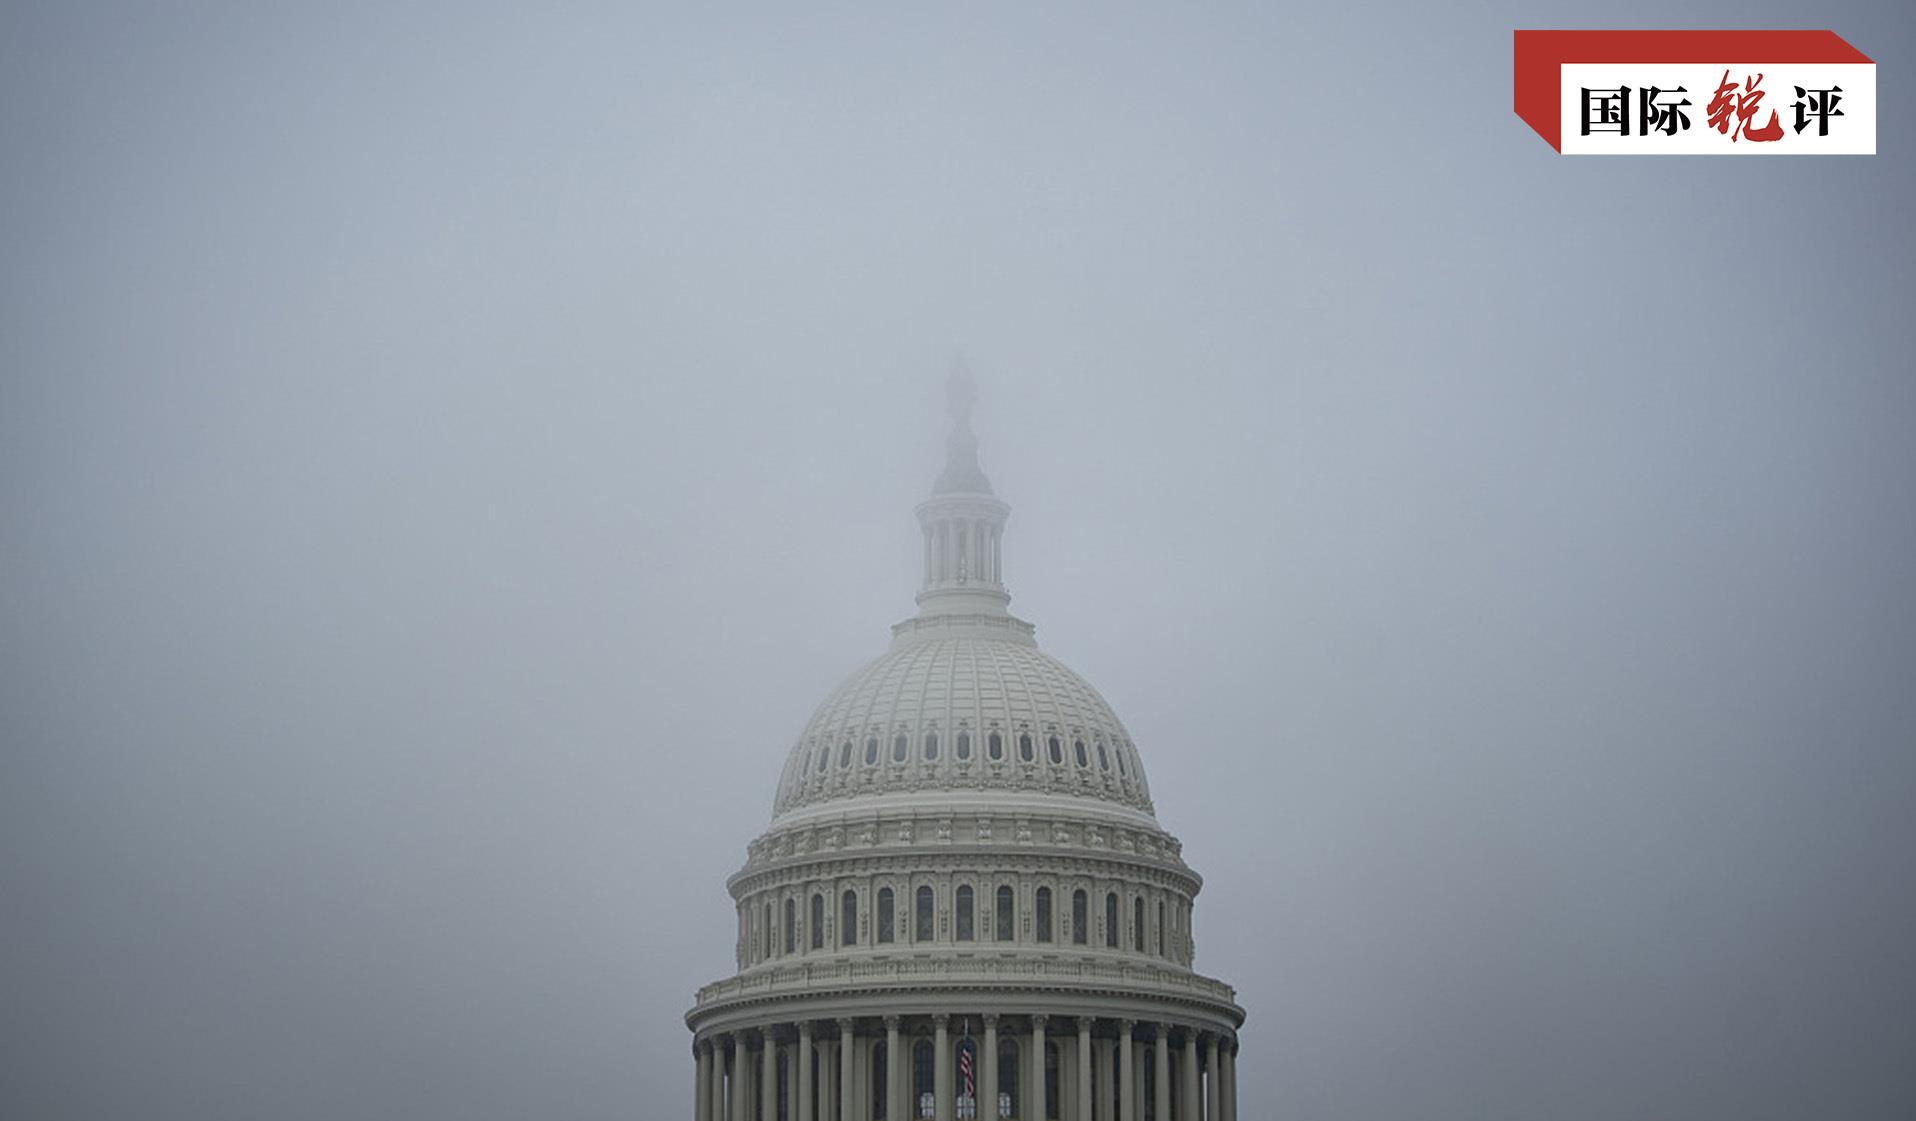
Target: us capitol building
(964,906)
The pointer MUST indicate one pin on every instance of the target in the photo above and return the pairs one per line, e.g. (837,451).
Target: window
(921,930)
(1137,924)
(1007,914)
(964,745)
(1056,749)
(848,919)
(995,747)
(1044,914)
(818,922)
(931,745)
(1111,920)
(1009,1084)
(1119,752)
(1077,749)
(824,756)
(884,914)
(871,751)
(899,748)
(765,933)
(965,908)
(1080,921)
(1160,928)
(845,755)
(1104,761)
(921,1068)
(791,926)
(1024,747)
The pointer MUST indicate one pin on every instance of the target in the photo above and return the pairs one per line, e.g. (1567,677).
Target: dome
(984,716)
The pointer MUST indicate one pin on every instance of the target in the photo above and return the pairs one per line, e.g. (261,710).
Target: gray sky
(445,455)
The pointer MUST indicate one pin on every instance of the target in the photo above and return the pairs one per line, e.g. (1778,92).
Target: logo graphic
(1697,93)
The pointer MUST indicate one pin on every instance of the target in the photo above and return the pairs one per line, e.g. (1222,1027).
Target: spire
(962,475)
(963,522)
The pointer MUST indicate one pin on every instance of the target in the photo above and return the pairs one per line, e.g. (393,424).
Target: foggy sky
(445,455)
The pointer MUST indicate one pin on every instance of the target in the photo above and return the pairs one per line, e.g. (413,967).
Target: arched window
(1010,1086)
(964,745)
(1007,914)
(1160,928)
(1111,919)
(931,745)
(871,751)
(818,922)
(1137,924)
(848,919)
(1056,749)
(884,914)
(921,1073)
(1104,761)
(965,909)
(1043,914)
(995,747)
(1077,749)
(1024,747)
(1080,920)
(791,926)
(898,748)
(921,931)
(1051,1077)
(845,755)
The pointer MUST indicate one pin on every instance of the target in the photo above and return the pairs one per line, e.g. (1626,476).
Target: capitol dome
(964,906)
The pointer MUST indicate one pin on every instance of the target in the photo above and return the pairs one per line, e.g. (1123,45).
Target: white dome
(963,714)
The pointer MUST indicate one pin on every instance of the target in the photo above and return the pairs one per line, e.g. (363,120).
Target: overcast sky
(445,455)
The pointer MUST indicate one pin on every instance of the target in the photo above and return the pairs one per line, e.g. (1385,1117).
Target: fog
(445,455)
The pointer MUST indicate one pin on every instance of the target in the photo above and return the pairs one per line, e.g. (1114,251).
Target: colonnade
(835,1070)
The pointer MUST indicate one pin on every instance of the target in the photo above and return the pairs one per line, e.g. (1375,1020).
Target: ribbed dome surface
(963,714)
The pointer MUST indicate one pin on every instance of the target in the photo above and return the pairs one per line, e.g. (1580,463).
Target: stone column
(1127,1073)
(1084,1068)
(737,1082)
(988,1071)
(1102,1074)
(847,1099)
(1188,1080)
(1229,1112)
(1034,1107)
(702,1080)
(894,1072)
(768,1078)
(802,1077)
(1214,1081)
(1161,1100)
(941,1094)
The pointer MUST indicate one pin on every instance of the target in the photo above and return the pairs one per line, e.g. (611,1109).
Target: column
(737,1081)
(1084,1068)
(1103,1074)
(1034,1105)
(988,1071)
(847,1100)
(1161,1100)
(895,1064)
(1127,1073)
(768,1077)
(941,1088)
(702,1080)
(1214,1081)
(803,1076)
(1229,1112)
(1188,1080)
